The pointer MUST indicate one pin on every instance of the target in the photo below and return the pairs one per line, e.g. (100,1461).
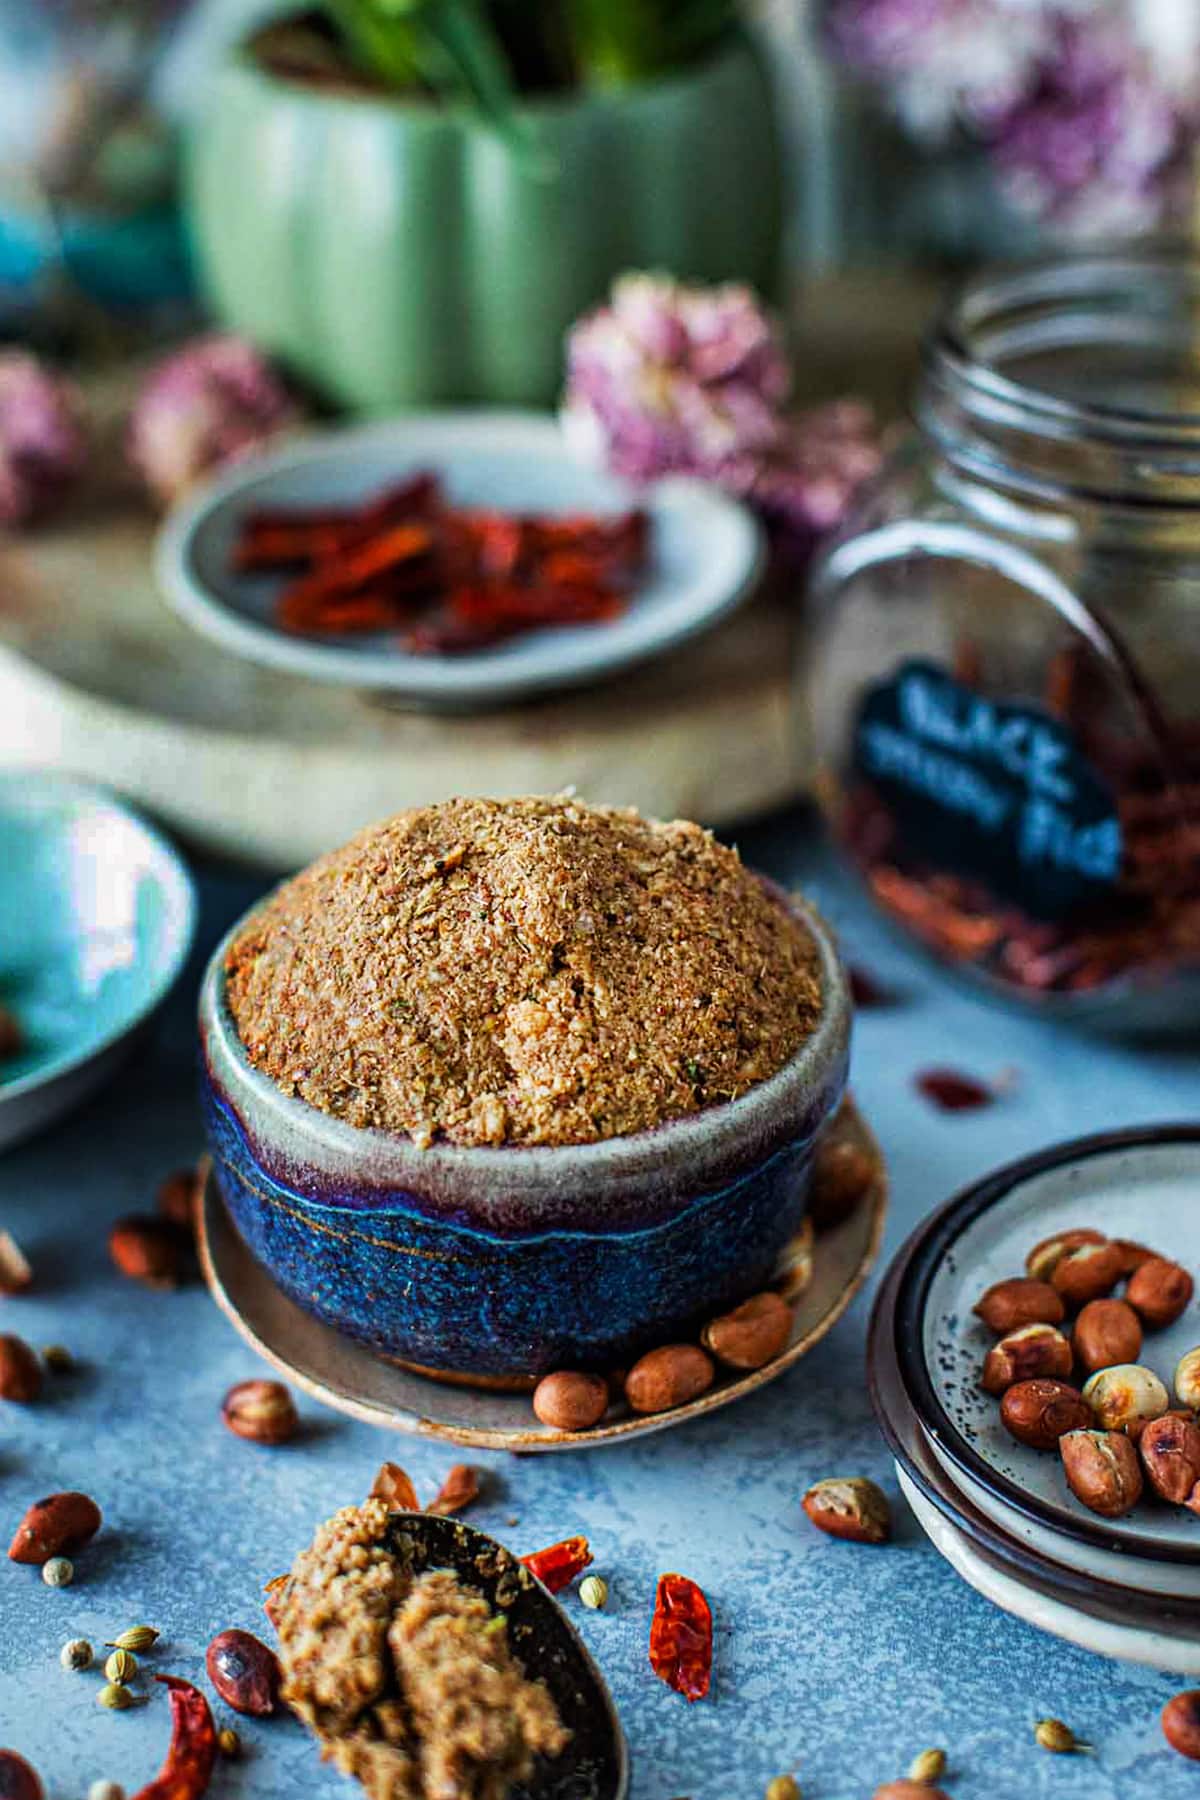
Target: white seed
(593,1591)
(106,1790)
(78,1654)
(58,1572)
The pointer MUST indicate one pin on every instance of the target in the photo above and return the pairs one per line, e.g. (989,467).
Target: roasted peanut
(1170,1451)
(15,1272)
(1045,1257)
(261,1411)
(669,1377)
(54,1526)
(907,1789)
(20,1371)
(842,1177)
(1160,1291)
(1125,1398)
(570,1400)
(752,1335)
(244,1671)
(1038,1412)
(1187,1378)
(148,1250)
(1181,1723)
(18,1779)
(849,1507)
(1025,1355)
(1133,1255)
(1008,1305)
(1106,1332)
(1088,1273)
(1102,1470)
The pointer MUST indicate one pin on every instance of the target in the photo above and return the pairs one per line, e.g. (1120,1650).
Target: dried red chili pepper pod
(681,1637)
(186,1773)
(557,1566)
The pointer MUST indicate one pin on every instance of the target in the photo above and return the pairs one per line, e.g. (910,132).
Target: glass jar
(1002,672)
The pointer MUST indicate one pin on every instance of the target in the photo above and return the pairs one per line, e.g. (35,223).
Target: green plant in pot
(410,200)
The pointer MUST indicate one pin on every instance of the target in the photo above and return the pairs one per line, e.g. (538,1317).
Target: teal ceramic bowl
(97,915)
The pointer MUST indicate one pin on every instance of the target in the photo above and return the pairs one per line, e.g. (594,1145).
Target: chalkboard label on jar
(989,789)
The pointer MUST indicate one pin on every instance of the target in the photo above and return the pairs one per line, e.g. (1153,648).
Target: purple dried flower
(43,446)
(212,402)
(668,379)
(1100,145)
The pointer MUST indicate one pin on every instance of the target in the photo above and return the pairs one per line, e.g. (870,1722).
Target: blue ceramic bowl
(495,1265)
(96,919)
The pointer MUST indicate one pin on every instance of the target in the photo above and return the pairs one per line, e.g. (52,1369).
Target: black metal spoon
(595,1764)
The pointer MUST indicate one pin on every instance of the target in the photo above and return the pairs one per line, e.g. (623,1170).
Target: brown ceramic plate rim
(915,1266)
(1088,1593)
(868,1219)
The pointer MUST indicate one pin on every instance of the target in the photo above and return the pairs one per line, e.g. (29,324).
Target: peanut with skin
(1181,1724)
(1102,1471)
(59,1524)
(668,1377)
(1106,1332)
(1045,1257)
(1160,1291)
(849,1507)
(570,1401)
(1170,1451)
(1033,1352)
(1037,1413)
(1008,1305)
(1088,1273)
(20,1371)
(752,1335)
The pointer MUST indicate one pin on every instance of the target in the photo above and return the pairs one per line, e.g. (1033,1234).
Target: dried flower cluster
(1090,115)
(668,380)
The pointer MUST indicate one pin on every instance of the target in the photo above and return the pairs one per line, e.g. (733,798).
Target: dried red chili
(557,1566)
(681,1637)
(953,1091)
(450,578)
(866,990)
(186,1773)
(460,1487)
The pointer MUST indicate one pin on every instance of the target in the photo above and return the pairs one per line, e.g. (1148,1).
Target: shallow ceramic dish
(1140,1184)
(342,1374)
(1084,1595)
(97,918)
(706,555)
(497,1265)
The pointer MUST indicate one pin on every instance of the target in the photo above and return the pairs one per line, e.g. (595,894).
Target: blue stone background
(840,1662)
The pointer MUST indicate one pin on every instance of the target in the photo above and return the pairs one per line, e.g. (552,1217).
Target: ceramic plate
(706,555)
(349,1378)
(1123,1639)
(98,915)
(1166,1616)
(1143,1185)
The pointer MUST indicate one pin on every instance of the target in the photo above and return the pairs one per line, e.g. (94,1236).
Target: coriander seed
(783,1787)
(593,1591)
(139,1638)
(229,1743)
(115,1696)
(78,1654)
(928,1767)
(1059,1739)
(121,1666)
(59,1571)
(58,1359)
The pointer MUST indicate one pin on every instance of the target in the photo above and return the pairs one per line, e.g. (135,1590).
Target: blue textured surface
(838,1660)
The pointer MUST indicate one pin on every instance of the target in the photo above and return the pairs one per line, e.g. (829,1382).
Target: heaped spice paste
(408,1680)
(532,971)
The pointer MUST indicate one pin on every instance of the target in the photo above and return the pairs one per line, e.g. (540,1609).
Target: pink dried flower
(43,446)
(212,402)
(668,379)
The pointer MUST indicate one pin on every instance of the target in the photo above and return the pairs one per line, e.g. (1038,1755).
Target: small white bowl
(707,554)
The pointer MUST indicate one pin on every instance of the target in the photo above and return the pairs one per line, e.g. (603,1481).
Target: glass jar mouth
(1078,372)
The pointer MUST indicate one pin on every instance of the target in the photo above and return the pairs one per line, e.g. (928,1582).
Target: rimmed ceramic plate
(1059,1598)
(1142,1184)
(98,915)
(706,555)
(349,1378)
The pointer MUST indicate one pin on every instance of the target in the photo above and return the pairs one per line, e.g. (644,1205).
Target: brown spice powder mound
(532,971)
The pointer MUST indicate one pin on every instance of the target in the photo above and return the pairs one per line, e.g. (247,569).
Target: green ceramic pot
(396,254)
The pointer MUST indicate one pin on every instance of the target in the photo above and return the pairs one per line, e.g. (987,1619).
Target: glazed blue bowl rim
(32,784)
(810,1081)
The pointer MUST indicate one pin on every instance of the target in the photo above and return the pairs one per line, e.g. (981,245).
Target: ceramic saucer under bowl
(98,914)
(1143,1185)
(345,1375)
(706,557)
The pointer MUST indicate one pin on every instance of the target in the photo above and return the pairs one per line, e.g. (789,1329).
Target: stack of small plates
(1003,1514)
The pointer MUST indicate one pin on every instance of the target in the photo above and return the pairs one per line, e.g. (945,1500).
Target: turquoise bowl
(97,915)
(495,1265)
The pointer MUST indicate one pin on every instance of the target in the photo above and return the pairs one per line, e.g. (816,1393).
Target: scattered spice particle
(953,1091)
(867,991)
(459,1489)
